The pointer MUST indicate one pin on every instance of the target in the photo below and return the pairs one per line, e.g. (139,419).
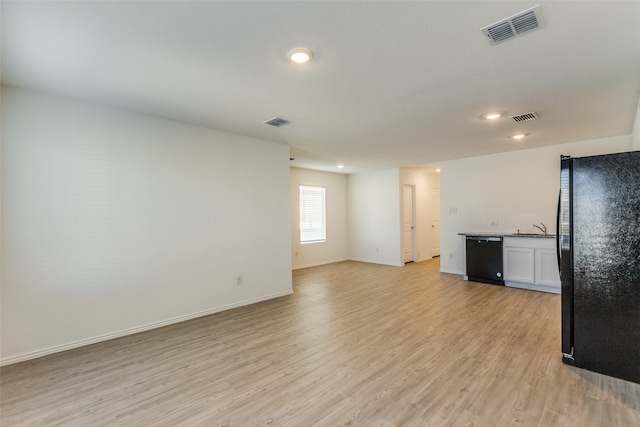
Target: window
(312,214)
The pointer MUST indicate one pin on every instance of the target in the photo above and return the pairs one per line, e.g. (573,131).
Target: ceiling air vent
(513,26)
(277,122)
(526,117)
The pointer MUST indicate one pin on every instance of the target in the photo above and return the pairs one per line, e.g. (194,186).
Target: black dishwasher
(484,259)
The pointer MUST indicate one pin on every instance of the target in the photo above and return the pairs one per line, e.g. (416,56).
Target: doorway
(435,225)
(408,223)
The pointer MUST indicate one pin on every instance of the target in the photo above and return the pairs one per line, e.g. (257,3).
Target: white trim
(414,236)
(309,242)
(298,267)
(311,205)
(375,261)
(534,287)
(131,331)
(448,271)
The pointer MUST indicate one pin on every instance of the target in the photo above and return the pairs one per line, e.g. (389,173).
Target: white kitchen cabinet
(547,268)
(531,263)
(519,264)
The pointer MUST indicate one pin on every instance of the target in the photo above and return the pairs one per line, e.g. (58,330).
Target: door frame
(434,202)
(413,222)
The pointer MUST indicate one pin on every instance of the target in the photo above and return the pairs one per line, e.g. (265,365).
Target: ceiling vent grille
(526,117)
(277,122)
(513,26)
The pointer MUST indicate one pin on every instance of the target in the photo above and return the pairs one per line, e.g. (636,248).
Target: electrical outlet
(450,256)
(296,253)
(377,249)
(494,222)
(453,210)
(239,280)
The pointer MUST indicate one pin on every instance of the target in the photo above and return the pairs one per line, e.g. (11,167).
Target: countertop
(525,235)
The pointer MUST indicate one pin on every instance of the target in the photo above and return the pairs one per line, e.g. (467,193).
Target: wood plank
(356,344)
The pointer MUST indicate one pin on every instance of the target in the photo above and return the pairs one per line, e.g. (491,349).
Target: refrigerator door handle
(558,229)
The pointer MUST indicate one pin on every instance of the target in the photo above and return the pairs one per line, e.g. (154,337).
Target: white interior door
(407,223)
(435,225)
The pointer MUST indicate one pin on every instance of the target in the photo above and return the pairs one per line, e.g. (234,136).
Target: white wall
(425,209)
(374,217)
(114,223)
(635,135)
(518,189)
(335,248)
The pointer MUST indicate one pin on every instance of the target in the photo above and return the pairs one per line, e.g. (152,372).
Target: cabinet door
(518,264)
(547,267)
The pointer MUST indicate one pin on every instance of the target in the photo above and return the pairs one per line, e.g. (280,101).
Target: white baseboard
(80,343)
(370,261)
(298,267)
(532,287)
(458,272)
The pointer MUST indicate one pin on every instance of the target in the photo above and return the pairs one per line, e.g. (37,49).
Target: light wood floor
(357,344)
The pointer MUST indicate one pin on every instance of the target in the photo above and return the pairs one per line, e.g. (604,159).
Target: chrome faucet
(543,228)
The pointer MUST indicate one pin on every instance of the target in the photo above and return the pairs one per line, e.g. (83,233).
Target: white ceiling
(392,84)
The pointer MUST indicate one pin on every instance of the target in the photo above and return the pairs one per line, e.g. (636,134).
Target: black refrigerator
(599,261)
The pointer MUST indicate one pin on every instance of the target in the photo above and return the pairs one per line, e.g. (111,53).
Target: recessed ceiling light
(492,116)
(300,55)
(437,170)
(340,166)
(518,136)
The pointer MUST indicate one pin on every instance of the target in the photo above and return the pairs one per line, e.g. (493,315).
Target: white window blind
(312,214)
